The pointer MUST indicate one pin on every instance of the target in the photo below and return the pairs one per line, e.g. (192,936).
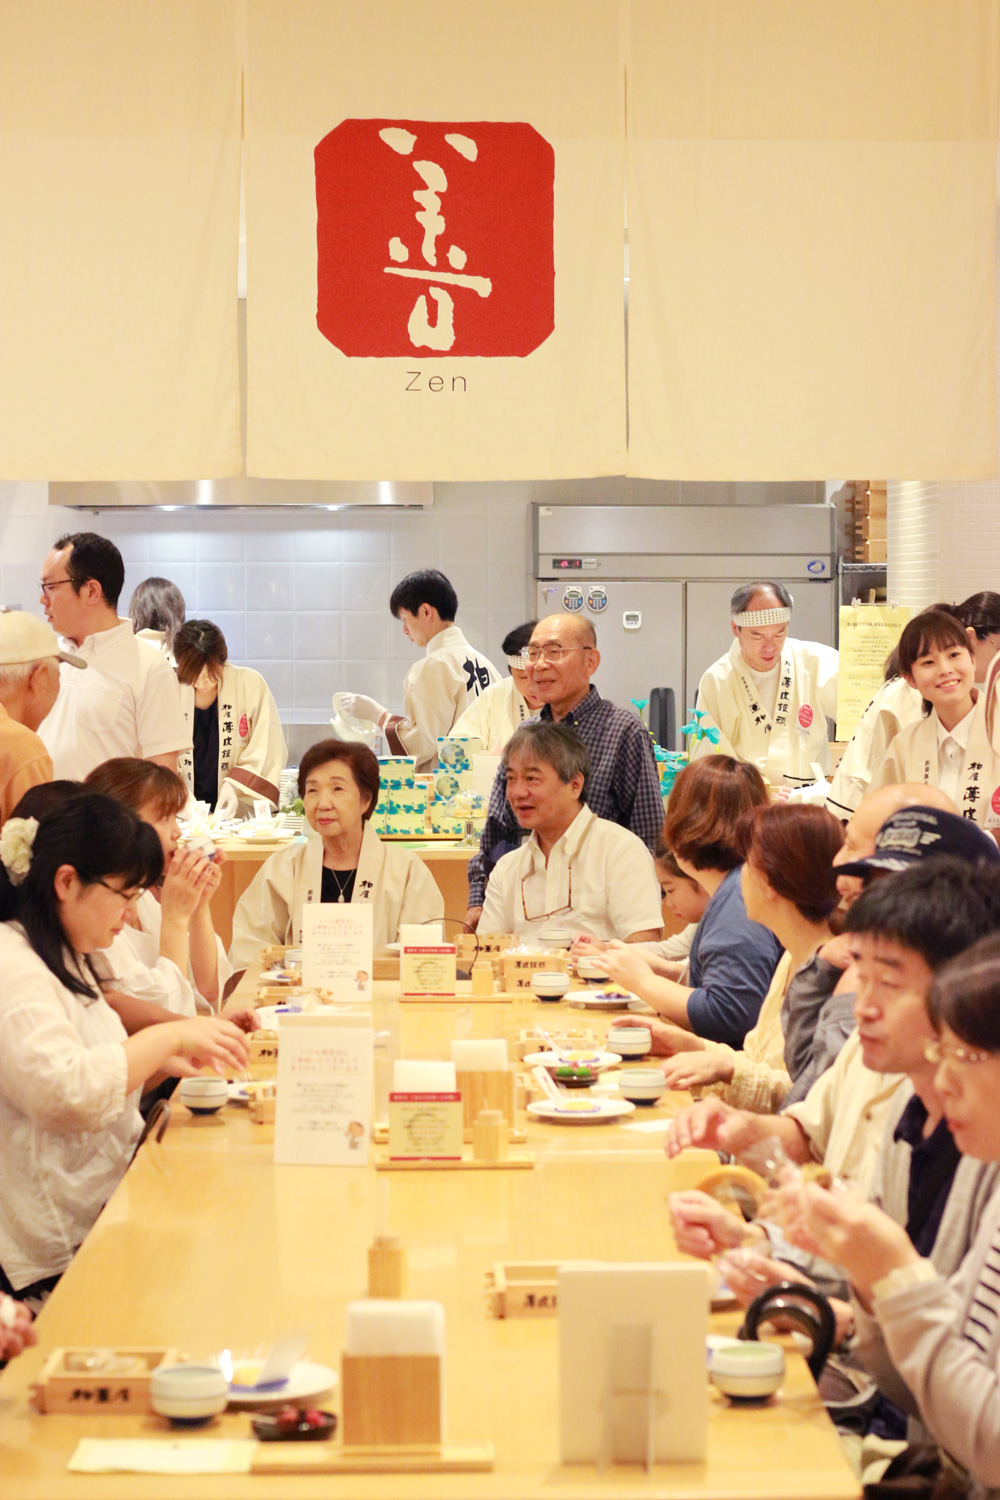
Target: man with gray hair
(29,685)
(769,697)
(576,870)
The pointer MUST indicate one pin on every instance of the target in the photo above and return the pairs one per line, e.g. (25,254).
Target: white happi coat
(438,689)
(252,749)
(493,716)
(913,756)
(786,749)
(394,880)
(895,706)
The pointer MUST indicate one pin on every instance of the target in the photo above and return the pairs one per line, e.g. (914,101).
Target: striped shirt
(623,786)
(983,1313)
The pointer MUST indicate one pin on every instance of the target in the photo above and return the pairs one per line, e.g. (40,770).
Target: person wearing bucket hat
(29,685)
(918,833)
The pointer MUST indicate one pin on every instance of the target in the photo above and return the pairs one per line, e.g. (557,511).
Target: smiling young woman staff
(69,1076)
(346,861)
(949,747)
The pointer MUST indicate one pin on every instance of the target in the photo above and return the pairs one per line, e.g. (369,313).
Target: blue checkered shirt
(623,786)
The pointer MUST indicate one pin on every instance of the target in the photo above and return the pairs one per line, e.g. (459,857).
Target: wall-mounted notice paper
(868,632)
(337,949)
(323,1114)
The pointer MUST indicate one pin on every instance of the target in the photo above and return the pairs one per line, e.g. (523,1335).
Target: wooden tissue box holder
(391,1400)
(489,1089)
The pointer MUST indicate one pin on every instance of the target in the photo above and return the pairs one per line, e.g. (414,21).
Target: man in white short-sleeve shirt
(128,702)
(576,870)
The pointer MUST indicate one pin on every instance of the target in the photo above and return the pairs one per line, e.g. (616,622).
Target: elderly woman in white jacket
(933,1344)
(345,861)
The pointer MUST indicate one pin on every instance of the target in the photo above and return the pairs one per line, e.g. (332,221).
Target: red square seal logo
(435,238)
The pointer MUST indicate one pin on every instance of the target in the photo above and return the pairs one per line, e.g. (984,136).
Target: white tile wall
(303,596)
(913,510)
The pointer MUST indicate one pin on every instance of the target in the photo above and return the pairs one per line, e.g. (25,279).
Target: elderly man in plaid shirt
(623,787)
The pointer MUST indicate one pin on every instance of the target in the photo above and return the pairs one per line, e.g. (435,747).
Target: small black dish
(280,1427)
(570,1080)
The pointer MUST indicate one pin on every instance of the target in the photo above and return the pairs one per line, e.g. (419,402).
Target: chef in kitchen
(438,688)
(769,697)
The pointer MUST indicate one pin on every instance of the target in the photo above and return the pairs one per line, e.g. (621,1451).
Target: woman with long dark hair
(70,1078)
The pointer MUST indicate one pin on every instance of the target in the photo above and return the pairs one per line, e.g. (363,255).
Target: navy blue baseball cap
(919,832)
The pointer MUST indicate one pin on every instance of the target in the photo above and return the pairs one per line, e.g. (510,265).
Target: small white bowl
(642,1085)
(590,968)
(188,1393)
(549,984)
(749,1372)
(555,937)
(630,1041)
(203,1096)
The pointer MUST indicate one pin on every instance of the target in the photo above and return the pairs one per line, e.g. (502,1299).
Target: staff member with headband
(504,705)
(769,697)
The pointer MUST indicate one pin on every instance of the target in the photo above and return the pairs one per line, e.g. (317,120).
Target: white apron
(394,880)
(493,716)
(895,706)
(252,749)
(438,689)
(785,748)
(913,756)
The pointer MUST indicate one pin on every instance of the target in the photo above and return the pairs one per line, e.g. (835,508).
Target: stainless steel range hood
(328,494)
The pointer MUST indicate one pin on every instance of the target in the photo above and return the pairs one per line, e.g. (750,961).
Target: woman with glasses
(167,952)
(70,1077)
(941,1337)
(732,959)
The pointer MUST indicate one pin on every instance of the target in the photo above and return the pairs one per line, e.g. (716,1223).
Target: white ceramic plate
(552,1060)
(304,1383)
(604,1109)
(598,1000)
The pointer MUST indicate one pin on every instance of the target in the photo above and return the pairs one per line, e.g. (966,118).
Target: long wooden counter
(208,1245)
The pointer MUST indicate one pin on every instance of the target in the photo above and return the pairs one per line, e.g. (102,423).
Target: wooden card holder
(76,1392)
(389,1399)
(566,1039)
(263,1049)
(519,969)
(495,1089)
(523,1288)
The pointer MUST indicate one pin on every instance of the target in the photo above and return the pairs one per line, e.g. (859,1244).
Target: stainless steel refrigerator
(656,582)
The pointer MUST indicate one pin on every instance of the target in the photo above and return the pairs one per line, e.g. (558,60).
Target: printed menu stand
(337,949)
(323,1114)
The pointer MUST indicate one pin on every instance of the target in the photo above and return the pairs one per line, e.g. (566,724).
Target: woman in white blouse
(70,1077)
(176,959)
(941,1338)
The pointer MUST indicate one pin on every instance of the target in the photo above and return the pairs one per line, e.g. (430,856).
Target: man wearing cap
(503,706)
(129,701)
(29,685)
(769,697)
